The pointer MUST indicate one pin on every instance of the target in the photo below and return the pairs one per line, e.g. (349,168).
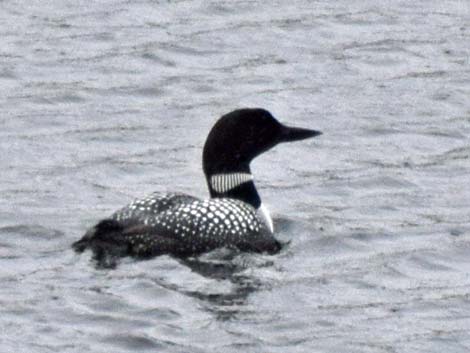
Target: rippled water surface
(104,101)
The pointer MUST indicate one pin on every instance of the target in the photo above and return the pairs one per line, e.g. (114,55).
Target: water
(105,101)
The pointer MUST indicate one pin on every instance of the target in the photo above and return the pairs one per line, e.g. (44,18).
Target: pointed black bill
(296,133)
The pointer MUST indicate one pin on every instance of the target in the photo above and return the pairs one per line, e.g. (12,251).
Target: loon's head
(234,141)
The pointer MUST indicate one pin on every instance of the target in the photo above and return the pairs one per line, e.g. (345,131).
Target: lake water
(104,101)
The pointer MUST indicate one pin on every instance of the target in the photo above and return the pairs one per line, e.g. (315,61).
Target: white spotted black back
(179,223)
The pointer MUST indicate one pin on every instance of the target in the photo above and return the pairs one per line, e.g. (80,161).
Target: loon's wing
(110,240)
(138,213)
(149,241)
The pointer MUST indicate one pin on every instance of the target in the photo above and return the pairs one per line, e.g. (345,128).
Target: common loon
(182,225)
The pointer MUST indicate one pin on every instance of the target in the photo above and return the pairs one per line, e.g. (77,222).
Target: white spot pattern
(182,223)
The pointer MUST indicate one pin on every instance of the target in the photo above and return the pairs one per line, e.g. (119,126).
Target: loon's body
(183,225)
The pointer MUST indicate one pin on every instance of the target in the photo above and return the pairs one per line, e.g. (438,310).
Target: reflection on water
(224,306)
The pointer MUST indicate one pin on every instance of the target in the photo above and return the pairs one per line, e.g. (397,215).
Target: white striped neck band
(222,183)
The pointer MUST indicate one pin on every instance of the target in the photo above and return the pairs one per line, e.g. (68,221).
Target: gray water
(104,101)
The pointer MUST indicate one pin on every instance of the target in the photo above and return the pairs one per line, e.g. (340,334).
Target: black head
(233,142)
(243,134)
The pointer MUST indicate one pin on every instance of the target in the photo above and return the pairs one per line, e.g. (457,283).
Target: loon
(182,225)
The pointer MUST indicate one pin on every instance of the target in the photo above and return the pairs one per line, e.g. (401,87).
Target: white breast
(263,214)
